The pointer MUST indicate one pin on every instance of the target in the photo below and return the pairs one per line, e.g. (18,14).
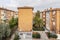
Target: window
(54,12)
(43,19)
(21,33)
(2,11)
(53,19)
(53,23)
(43,15)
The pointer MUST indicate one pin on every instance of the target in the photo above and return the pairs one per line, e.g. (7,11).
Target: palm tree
(38,13)
(37,22)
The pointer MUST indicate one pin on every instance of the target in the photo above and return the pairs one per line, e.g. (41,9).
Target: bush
(36,35)
(38,29)
(50,35)
(13,22)
(4,30)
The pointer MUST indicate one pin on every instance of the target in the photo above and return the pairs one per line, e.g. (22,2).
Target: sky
(37,4)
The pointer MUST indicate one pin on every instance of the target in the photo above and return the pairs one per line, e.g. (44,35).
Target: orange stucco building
(25,19)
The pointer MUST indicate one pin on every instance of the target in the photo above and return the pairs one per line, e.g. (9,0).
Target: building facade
(6,15)
(25,22)
(51,18)
(25,18)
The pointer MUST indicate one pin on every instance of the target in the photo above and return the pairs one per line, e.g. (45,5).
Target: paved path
(36,39)
(12,37)
(25,39)
(43,36)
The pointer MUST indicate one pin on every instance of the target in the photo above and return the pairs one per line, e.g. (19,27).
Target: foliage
(38,29)
(36,35)
(4,30)
(50,35)
(13,22)
(16,21)
(37,22)
(38,13)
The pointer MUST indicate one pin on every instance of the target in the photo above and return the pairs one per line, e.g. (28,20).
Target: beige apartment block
(9,15)
(6,14)
(25,19)
(52,19)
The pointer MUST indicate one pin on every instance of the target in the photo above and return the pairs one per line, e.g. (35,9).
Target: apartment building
(6,15)
(51,18)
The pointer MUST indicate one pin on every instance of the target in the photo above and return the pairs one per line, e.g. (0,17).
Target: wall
(25,18)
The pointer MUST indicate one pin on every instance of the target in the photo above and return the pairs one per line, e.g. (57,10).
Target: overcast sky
(37,4)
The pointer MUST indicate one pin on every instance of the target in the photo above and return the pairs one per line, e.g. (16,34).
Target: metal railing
(49,30)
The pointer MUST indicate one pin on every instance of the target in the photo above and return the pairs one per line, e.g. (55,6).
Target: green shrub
(38,29)
(36,35)
(4,30)
(13,22)
(50,35)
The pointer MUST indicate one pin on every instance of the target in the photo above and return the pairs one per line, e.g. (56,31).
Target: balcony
(3,17)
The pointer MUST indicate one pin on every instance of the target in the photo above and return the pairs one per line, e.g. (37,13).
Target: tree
(38,14)
(16,21)
(13,22)
(37,22)
(4,31)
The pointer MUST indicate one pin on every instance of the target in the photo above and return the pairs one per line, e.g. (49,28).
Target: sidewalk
(12,37)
